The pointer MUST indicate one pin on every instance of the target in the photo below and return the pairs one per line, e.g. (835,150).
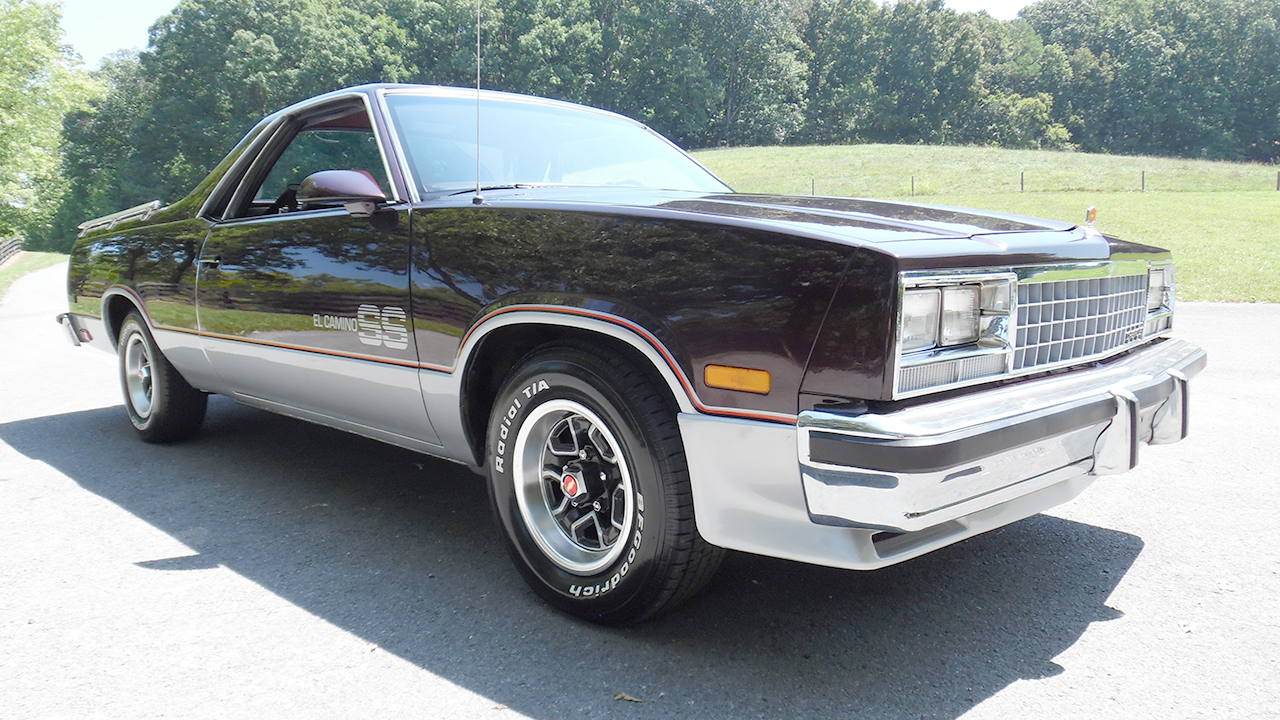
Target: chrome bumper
(930,464)
(67,321)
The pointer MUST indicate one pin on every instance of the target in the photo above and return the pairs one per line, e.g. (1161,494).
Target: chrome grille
(1070,320)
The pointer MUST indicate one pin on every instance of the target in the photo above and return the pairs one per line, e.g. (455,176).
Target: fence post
(1022,180)
(913,185)
(1144,181)
(813,186)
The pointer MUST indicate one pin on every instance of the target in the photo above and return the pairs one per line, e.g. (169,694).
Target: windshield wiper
(486,188)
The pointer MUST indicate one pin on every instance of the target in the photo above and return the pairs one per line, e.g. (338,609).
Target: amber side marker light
(736,378)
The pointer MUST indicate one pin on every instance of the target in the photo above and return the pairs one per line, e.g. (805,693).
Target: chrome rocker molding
(936,473)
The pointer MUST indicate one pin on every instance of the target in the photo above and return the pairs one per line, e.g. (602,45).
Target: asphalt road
(271,568)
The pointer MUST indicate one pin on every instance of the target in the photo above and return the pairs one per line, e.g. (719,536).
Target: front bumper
(934,463)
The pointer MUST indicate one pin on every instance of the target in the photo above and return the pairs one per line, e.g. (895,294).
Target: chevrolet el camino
(647,366)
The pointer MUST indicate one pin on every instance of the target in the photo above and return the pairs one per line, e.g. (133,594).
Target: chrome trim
(1025,275)
(1166,311)
(137,212)
(410,182)
(64,319)
(382,148)
(1171,422)
(920,279)
(1081,271)
(1116,450)
(284,120)
(1146,392)
(241,164)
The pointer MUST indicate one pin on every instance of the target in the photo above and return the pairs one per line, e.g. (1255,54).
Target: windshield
(528,143)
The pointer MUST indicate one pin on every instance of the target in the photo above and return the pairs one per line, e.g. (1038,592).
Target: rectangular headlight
(920,309)
(1158,288)
(960,314)
(955,329)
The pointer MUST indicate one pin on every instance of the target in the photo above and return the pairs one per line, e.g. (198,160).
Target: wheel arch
(117,302)
(494,348)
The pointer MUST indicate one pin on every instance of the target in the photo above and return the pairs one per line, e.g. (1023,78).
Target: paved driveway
(271,568)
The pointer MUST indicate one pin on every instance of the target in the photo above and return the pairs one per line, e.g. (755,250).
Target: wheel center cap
(573,486)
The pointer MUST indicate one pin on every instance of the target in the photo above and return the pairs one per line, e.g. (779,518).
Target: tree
(39,83)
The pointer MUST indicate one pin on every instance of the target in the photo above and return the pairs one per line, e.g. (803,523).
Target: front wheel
(161,405)
(589,483)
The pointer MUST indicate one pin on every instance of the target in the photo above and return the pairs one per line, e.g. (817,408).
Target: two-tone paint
(803,288)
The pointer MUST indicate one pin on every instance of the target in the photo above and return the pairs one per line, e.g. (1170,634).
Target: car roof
(443,91)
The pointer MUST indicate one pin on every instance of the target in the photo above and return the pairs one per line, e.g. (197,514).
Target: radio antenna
(478,199)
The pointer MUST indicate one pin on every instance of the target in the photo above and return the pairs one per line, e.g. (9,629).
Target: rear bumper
(68,323)
(930,464)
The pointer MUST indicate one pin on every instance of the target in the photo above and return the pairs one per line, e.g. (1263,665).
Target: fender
(442,391)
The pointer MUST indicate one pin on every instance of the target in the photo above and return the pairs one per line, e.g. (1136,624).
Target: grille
(1074,319)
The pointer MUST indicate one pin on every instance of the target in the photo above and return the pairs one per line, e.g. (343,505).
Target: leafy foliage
(1164,77)
(38,85)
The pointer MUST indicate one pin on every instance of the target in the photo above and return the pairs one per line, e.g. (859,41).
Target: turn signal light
(736,378)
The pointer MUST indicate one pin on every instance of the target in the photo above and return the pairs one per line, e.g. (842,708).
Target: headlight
(920,309)
(1159,286)
(1159,298)
(955,314)
(953,329)
(960,315)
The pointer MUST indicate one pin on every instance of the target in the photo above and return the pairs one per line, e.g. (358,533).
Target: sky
(97,28)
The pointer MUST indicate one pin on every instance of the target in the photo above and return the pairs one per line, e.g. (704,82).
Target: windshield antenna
(478,199)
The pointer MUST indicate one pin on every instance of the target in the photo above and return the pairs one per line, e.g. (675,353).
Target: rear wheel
(159,402)
(589,483)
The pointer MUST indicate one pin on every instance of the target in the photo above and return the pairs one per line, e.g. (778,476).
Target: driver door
(304,309)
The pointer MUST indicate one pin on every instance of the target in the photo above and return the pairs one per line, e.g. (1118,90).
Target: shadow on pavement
(399,549)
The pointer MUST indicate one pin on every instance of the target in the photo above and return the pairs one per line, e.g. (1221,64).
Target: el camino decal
(377,327)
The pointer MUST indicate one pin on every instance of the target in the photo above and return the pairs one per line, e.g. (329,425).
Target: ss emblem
(387,326)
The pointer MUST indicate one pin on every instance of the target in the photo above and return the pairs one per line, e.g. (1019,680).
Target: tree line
(1196,78)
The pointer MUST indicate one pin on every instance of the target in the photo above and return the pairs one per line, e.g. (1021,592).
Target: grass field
(1222,220)
(25,263)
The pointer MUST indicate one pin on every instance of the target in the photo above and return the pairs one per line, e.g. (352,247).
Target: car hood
(919,235)
(872,220)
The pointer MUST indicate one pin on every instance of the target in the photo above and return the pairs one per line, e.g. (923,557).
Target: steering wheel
(288,199)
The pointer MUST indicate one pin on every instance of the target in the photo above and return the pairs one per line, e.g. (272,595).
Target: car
(648,367)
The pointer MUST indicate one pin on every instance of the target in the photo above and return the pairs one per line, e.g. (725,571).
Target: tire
(581,425)
(161,405)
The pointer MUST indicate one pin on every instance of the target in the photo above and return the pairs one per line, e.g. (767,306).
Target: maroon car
(647,366)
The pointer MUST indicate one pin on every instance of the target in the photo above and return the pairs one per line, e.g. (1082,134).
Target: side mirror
(356,189)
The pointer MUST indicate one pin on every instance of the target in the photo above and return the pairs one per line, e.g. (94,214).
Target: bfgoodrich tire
(588,480)
(161,405)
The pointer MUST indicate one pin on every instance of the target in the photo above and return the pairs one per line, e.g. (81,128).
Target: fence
(9,248)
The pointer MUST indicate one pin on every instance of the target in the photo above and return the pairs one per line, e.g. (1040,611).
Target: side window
(334,141)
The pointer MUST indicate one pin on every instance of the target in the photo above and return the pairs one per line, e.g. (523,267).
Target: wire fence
(9,248)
